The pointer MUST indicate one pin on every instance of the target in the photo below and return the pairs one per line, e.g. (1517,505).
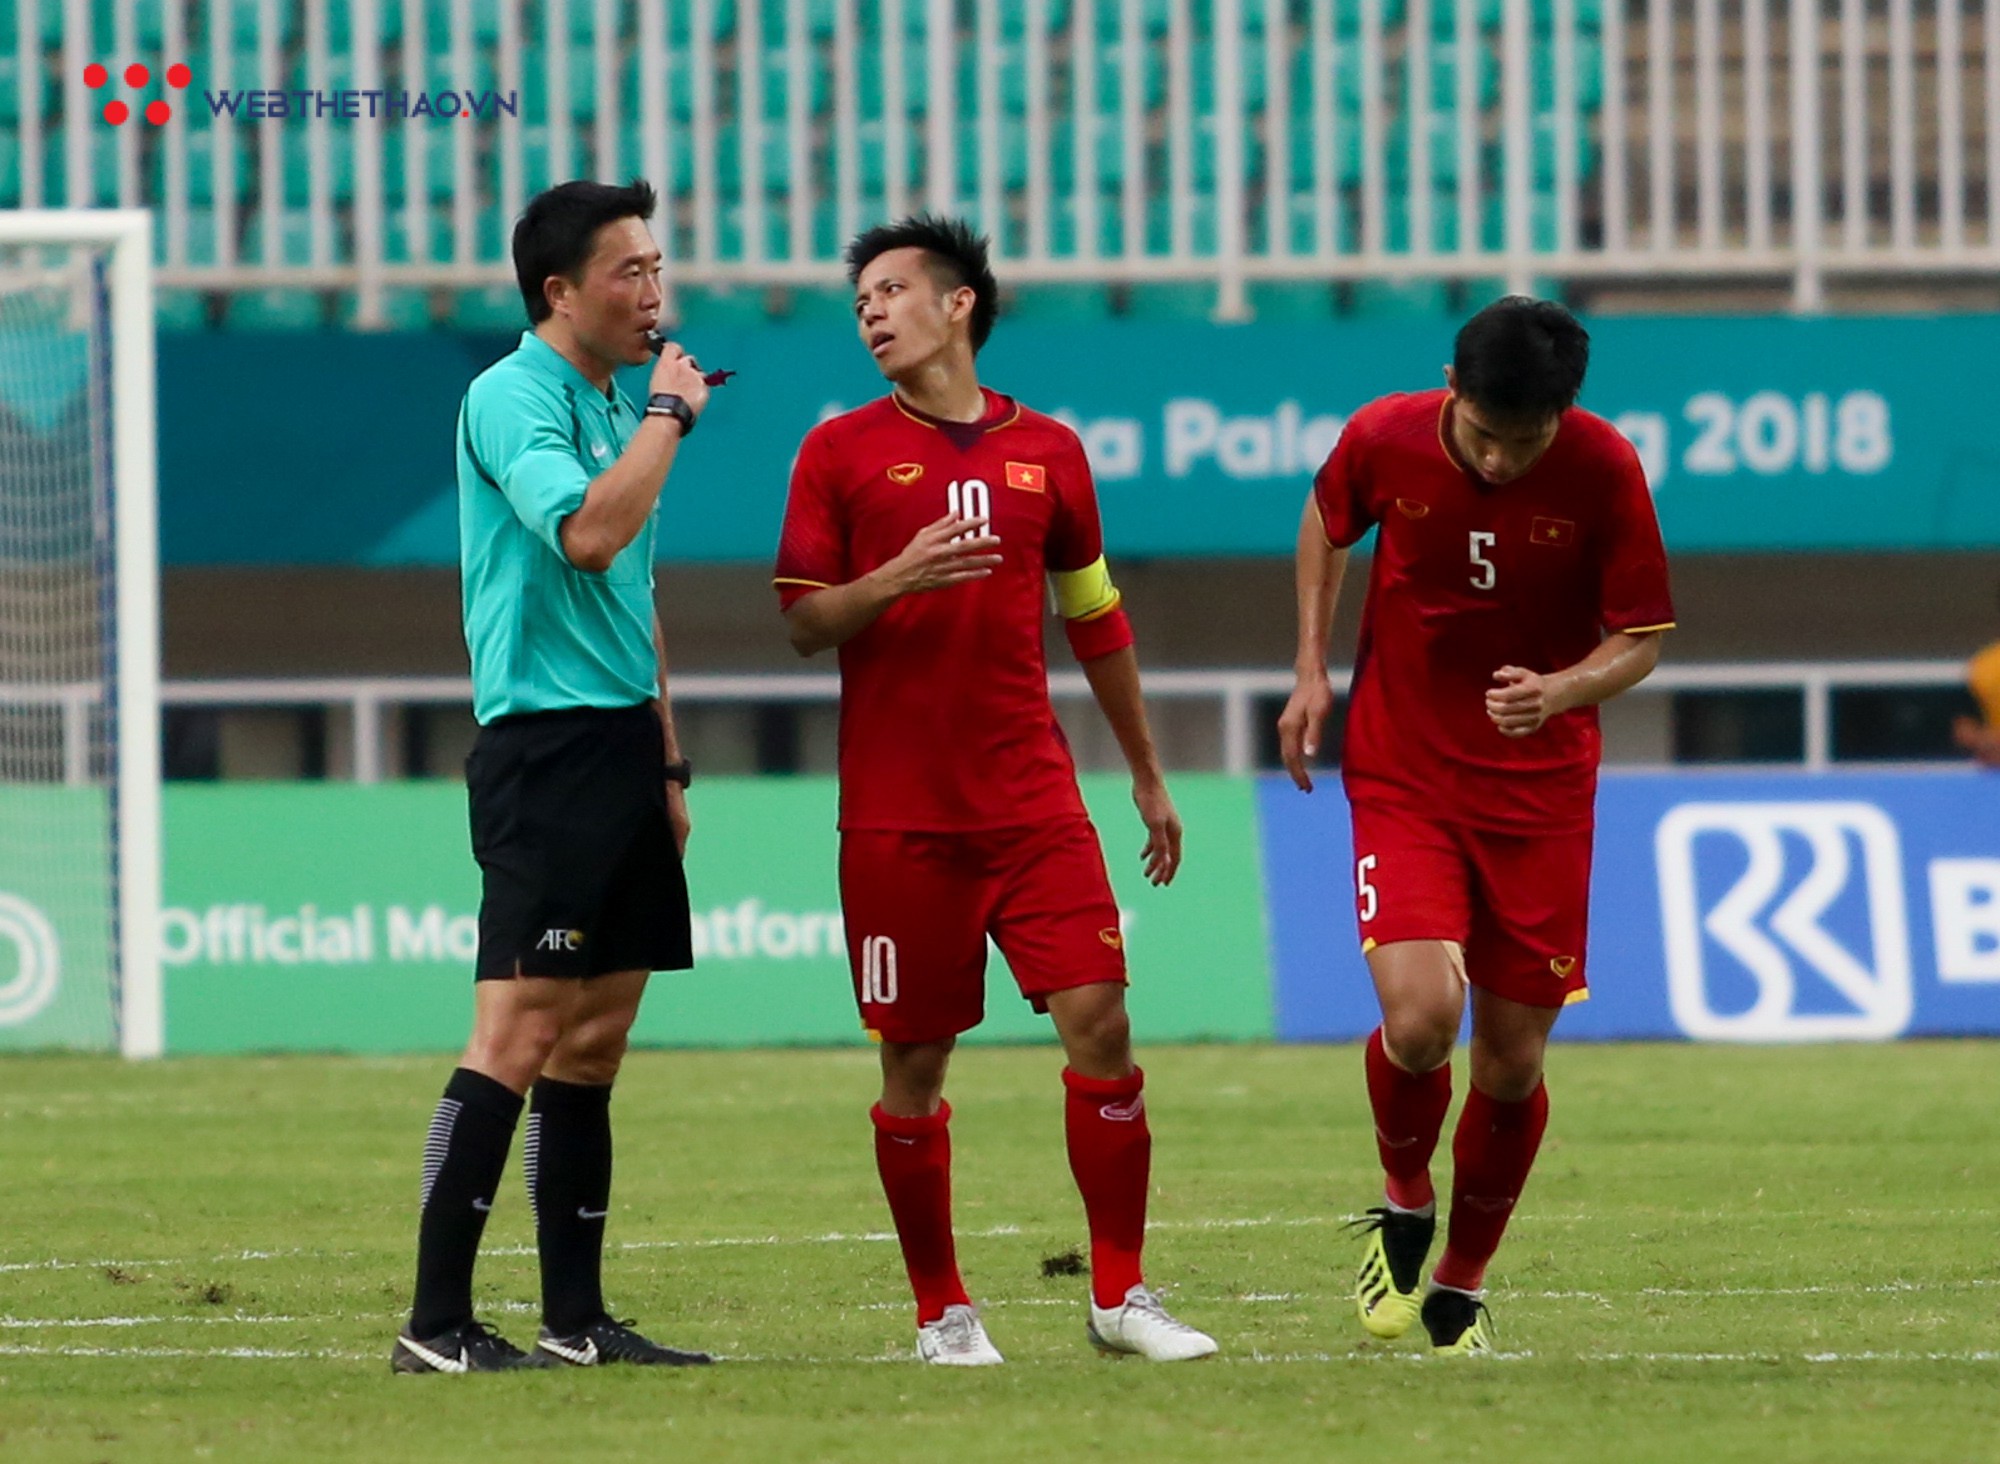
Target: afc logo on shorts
(560,940)
(1743,923)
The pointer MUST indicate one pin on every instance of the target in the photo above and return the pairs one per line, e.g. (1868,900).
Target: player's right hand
(951,551)
(678,374)
(1300,726)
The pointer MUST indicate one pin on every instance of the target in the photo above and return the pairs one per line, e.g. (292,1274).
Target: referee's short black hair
(957,255)
(1521,359)
(554,233)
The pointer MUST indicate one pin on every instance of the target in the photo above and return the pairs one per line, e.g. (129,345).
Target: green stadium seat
(485,17)
(294,240)
(403,308)
(1251,82)
(1346,148)
(1014,17)
(203,227)
(276,310)
(495,310)
(104,170)
(1399,150)
(10,168)
(10,94)
(1063,238)
(1111,78)
(340,23)
(244,22)
(869,86)
(1545,152)
(1589,69)
(872,146)
(1204,153)
(1010,77)
(179,312)
(339,165)
(680,159)
(1444,17)
(1107,144)
(778,84)
(578,68)
(1174,300)
(717,307)
(1399,300)
(1445,56)
(1444,231)
(437,159)
(1159,225)
(1301,301)
(1302,223)
(1013,155)
(1153,18)
(1058,304)
(775,155)
(1346,81)
(1347,14)
(397,239)
(680,20)
(1589,15)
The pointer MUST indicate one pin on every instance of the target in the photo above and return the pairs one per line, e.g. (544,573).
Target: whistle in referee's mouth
(658,343)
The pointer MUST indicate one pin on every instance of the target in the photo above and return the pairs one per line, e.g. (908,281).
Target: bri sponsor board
(1724,907)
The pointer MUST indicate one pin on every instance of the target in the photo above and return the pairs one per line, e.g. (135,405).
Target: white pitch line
(15,1323)
(253,1353)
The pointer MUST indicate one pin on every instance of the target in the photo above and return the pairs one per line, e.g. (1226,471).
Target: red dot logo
(137,76)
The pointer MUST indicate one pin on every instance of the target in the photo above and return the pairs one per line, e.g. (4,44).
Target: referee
(578,788)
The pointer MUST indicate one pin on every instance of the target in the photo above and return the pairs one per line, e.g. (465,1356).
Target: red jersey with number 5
(1469,577)
(945,721)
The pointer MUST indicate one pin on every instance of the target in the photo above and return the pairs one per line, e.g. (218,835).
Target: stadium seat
(1107,143)
(204,227)
(294,238)
(872,144)
(1589,15)
(579,71)
(244,20)
(1302,220)
(10,168)
(1445,57)
(275,310)
(1175,300)
(1346,160)
(1304,301)
(869,94)
(1013,155)
(778,84)
(1588,70)
(485,18)
(1544,147)
(1346,82)
(1063,239)
(1399,150)
(1204,153)
(437,161)
(202,152)
(1058,304)
(10,94)
(403,308)
(1444,231)
(1444,17)
(495,310)
(1056,15)
(1010,80)
(1200,229)
(340,23)
(103,149)
(775,156)
(1399,299)
(680,21)
(180,311)
(397,243)
(1153,17)
(1251,79)
(721,306)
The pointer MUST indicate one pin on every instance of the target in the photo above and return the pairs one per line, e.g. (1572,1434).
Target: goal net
(79,712)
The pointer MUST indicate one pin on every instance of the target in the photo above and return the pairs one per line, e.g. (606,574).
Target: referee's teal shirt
(545,635)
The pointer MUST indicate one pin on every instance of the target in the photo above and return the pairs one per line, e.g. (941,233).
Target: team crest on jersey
(1560,532)
(1028,477)
(1412,507)
(904,474)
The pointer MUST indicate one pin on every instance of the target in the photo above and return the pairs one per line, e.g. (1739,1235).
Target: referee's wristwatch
(667,404)
(681,772)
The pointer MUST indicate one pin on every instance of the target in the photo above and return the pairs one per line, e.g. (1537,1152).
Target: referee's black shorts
(569,825)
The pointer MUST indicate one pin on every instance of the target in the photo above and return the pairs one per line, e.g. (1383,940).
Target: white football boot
(957,1339)
(1144,1327)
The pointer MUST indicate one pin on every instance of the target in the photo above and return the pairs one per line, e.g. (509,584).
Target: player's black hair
(555,232)
(1520,359)
(958,260)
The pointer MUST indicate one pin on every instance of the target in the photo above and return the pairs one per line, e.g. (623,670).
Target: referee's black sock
(465,1158)
(568,1154)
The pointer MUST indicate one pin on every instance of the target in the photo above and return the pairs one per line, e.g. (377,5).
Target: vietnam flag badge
(1560,532)
(1028,477)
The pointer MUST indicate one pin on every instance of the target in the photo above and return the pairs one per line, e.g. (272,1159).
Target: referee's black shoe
(469,1347)
(604,1342)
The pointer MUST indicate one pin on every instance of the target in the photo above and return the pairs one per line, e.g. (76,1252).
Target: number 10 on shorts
(878,970)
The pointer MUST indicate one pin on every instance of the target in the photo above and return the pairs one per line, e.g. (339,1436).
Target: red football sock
(1409,1116)
(1111,1155)
(1492,1153)
(913,1156)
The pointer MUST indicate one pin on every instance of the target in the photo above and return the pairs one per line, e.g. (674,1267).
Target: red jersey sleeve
(1340,488)
(1633,594)
(1076,537)
(812,549)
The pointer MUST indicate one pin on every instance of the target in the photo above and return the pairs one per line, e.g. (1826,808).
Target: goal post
(80,843)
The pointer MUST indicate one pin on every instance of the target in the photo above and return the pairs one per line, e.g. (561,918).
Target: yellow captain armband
(1084,593)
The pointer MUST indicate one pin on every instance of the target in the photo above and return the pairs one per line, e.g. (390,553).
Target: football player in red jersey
(921,535)
(1518,580)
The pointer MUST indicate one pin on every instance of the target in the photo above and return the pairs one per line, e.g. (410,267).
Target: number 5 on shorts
(1364,889)
(878,970)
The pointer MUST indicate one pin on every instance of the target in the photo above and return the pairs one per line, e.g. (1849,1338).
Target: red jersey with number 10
(945,721)
(1469,577)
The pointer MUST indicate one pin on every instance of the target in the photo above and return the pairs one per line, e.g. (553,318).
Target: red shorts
(1519,904)
(918,908)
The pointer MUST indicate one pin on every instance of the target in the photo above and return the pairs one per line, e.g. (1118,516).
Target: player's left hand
(677,817)
(1522,701)
(1162,854)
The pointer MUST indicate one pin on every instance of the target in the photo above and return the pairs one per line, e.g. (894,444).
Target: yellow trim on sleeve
(1582,993)
(1085,594)
(812,584)
(1645,629)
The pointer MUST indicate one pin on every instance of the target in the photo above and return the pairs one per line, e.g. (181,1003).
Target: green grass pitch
(1724,1254)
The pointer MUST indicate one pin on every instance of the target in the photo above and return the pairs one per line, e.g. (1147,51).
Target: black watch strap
(666,404)
(681,772)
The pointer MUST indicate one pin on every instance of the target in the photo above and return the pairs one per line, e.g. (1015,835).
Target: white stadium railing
(1236,694)
(1226,142)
